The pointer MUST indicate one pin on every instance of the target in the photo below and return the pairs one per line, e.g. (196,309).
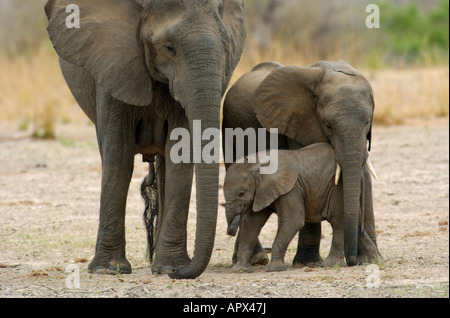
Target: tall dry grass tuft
(33,93)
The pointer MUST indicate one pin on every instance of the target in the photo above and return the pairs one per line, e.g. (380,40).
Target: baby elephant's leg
(287,228)
(249,228)
(259,254)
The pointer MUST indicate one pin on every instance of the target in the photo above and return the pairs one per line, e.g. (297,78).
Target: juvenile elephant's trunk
(202,105)
(352,195)
(351,155)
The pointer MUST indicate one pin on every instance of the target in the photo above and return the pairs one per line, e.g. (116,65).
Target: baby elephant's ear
(272,186)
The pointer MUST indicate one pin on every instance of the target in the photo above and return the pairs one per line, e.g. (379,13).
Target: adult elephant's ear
(233,18)
(286,100)
(271,186)
(106,44)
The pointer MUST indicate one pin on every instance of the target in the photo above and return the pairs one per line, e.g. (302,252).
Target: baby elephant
(305,188)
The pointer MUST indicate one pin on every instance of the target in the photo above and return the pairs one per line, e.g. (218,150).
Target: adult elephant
(139,69)
(327,102)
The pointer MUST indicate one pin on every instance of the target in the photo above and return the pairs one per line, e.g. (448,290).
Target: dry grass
(410,94)
(33,93)
(34,96)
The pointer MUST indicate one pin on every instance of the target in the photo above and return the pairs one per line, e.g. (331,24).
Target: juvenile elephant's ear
(286,100)
(271,186)
(233,18)
(106,44)
(345,68)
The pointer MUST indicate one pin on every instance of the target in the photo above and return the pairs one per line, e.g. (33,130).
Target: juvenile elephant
(305,188)
(326,102)
(140,69)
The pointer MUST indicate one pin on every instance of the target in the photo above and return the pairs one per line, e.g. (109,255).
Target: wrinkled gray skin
(327,102)
(302,190)
(139,69)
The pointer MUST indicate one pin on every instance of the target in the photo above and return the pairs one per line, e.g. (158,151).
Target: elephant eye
(169,48)
(328,125)
(241,194)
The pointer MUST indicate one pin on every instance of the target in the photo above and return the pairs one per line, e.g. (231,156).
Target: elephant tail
(149,192)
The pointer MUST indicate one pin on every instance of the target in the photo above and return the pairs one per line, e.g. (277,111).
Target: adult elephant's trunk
(203,93)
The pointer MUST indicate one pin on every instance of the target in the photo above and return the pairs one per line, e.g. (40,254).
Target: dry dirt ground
(49,202)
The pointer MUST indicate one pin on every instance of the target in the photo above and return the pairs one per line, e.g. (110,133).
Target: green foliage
(414,35)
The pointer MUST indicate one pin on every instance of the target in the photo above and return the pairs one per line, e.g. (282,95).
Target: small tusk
(371,169)
(338,174)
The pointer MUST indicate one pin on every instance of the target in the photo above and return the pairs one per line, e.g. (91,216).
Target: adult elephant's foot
(166,265)
(109,265)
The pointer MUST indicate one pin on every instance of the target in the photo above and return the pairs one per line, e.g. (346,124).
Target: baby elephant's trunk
(234,225)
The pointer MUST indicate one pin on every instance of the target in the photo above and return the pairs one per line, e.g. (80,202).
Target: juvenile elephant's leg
(308,245)
(367,246)
(249,229)
(115,133)
(367,249)
(336,254)
(170,251)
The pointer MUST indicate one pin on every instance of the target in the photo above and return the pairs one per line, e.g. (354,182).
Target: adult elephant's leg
(171,242)
(115,134)
(308,245)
